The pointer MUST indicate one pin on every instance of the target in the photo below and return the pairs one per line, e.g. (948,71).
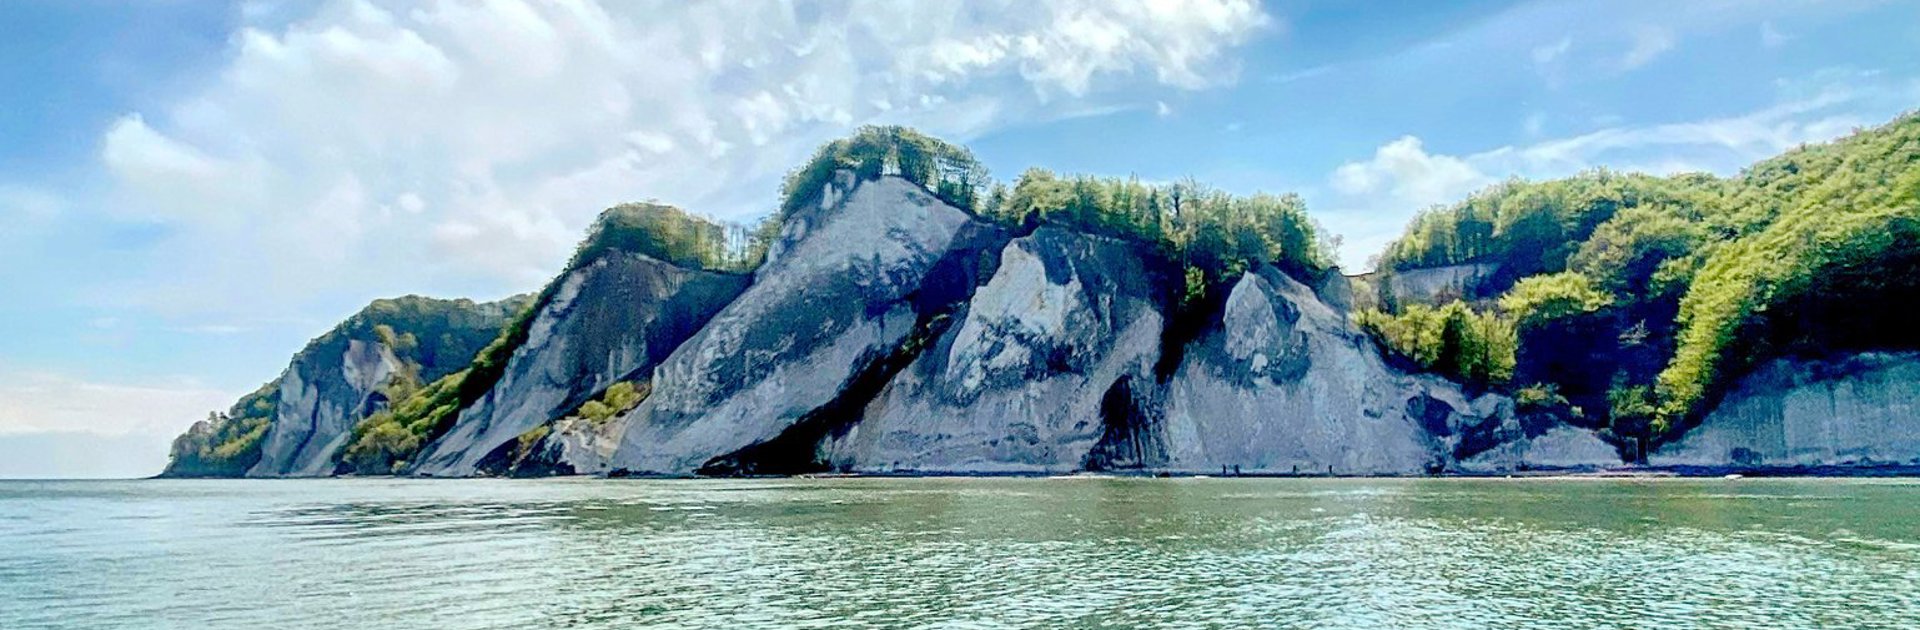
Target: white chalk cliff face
(1863,410)
(1019,384)
(340,378)
(1286,384)
(321,398)
(837,294)
(610,320)
(840,358)
(889,332)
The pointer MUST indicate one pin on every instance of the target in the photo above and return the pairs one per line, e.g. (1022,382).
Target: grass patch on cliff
(618,398)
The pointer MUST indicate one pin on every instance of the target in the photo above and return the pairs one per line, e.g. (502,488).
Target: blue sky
(191,190)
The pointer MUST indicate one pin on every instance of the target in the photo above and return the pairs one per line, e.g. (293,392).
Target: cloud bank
(460,145)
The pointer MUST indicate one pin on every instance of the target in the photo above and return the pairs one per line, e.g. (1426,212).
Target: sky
(190,191)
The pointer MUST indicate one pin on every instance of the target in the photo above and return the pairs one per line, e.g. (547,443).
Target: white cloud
(1404,172)
(133,150)
(20,204)
(1772,37)
(1373,199)
(378,147)
(47,402)
(1730,141)
(1649,43)
(1063,47)
(1534,124)
(1547,54)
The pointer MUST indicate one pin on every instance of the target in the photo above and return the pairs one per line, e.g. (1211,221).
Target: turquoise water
(961,553)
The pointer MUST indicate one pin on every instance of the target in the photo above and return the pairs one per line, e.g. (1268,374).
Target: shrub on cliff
(1452,340)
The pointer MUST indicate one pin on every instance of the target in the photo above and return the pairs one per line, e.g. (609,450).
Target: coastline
(1631,472)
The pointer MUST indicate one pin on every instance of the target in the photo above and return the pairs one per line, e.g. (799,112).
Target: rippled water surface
(1440,553)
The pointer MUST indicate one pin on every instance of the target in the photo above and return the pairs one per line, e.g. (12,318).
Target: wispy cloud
(1649,43)
(36,401)
(21,203)
(1302,75)
(1772,37)
(1550,53)
(211,329)
(1373,198)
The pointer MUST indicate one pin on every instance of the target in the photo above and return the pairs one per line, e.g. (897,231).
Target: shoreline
(1636,472)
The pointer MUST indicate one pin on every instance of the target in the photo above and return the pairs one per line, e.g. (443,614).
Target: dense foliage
(385,442)
(671,235)
(949,171)
(226,444)
(1533,227)
(1452,339)
(1214,235)
(1640,299)
(1832,263)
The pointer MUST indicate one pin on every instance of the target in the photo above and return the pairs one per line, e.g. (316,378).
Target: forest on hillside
(1630,303)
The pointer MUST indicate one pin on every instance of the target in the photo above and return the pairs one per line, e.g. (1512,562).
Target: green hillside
(1635,301)
(432,338)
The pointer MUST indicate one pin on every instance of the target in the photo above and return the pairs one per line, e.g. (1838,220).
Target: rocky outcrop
(321,398)
(1558,447)
(342,377)
(1440,284)
(1285,384)
(1862,410)
(609,320)
(1045,364)
(845,285)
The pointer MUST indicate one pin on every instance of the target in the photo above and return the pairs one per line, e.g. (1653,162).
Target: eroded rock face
(1438,284)
(340,377)
(1860,411)
(1286,385)
(843,288)
(1046,360)
(613,319)
(1559,447)
(321,398)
